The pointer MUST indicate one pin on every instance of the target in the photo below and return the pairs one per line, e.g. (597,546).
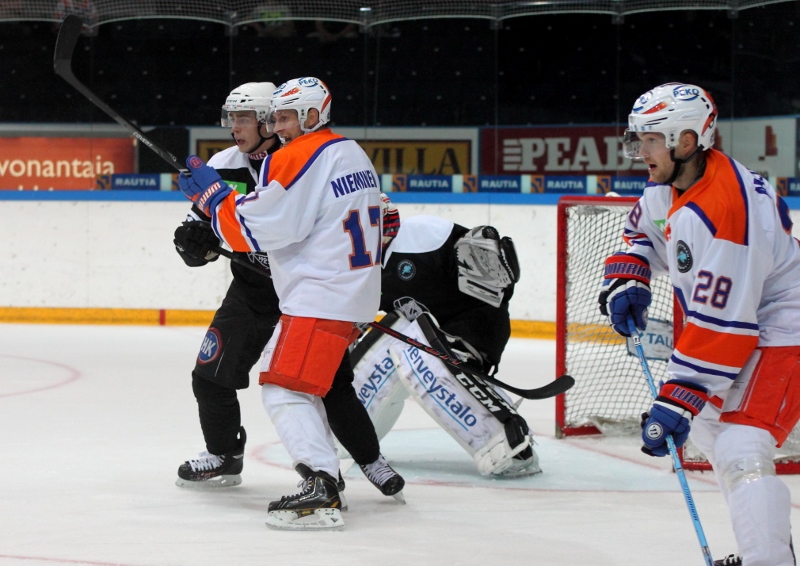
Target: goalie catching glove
(626,291)
(487,264)
(204,186)
(672,413)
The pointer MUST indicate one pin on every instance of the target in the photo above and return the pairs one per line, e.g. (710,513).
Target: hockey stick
(556,387)
(62,64)
(673,451)
(552,389)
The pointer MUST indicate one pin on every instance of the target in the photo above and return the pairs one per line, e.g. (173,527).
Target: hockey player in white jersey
(724,237)
(317,214)
(449,287)
(246,319)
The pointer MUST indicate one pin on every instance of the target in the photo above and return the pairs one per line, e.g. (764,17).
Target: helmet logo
(656,108)
(643,100)
(684,92)
(295,90)
(308,81)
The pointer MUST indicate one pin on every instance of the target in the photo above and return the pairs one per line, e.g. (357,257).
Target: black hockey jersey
(421,263)
(241,171)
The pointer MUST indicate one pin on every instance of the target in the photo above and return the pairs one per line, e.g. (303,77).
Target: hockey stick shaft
(67,38)
(560,385)
(673,451)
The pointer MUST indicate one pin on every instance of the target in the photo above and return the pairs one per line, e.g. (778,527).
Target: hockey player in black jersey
(245,321)
(448,286)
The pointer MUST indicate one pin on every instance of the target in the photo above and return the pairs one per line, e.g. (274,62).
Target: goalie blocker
(482,419)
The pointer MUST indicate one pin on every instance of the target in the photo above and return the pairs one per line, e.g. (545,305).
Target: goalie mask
(255,97)
(671,109)
(302,95)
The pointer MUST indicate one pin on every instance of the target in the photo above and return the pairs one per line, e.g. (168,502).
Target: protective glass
(241,119)
(631,144)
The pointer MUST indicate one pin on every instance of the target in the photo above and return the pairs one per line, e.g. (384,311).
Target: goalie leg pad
(375,379)
(482,421)
(487,264)
(498,457)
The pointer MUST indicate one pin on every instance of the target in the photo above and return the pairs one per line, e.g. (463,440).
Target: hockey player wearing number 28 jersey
(317,214)
(724,237)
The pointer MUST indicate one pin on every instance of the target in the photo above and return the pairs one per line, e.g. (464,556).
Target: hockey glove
(195,242)
(625,291)
(204,187)
(672,412)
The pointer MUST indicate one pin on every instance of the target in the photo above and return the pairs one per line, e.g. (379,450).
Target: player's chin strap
(679,163)
(261,140)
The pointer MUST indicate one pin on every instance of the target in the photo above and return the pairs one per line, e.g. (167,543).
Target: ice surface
(95,420)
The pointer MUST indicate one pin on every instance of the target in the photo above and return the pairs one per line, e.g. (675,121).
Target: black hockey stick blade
(67,38)
(557,387)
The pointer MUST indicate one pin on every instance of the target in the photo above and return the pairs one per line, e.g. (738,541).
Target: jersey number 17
(352,225)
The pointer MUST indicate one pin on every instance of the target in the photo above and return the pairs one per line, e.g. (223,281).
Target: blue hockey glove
(672,412)
(625,291)
(204,187)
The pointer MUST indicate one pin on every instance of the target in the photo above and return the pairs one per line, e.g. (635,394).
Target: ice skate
(382,476)
(730,560)
(211,471)
(317,506)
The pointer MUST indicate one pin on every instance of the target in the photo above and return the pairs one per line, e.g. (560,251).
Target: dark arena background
(404,63)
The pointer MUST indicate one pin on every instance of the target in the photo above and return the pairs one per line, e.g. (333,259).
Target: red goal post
(610,391)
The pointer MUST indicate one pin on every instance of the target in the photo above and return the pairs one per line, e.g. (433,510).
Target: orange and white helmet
(670,109)
(249,96)
(302,95)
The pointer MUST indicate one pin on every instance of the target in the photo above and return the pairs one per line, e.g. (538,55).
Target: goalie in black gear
(449,287)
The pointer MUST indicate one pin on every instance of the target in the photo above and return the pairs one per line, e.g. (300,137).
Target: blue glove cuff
(210,198)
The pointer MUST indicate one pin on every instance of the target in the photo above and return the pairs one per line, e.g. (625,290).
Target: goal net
(610,391)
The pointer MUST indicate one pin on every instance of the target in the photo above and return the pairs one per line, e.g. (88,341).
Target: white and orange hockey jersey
(317,213)
(727,246)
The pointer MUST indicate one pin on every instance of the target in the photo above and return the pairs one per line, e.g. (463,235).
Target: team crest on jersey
(212,344)
(406,270)
(684,257)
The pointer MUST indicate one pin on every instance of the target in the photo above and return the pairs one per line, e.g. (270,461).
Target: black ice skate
(382,476)
(730,560)
(317,506)
(210,470)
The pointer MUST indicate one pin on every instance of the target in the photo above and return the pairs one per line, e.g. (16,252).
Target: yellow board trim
(176,317)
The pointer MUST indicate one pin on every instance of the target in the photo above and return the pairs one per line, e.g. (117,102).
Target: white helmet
(303,94)
(249,96)
(670,109)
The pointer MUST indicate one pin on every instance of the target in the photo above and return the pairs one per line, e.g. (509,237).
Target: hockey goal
(610,391)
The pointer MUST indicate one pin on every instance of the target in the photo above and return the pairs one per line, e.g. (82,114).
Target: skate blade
(215,483)
(320,519)
(343,500)
(400,497)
